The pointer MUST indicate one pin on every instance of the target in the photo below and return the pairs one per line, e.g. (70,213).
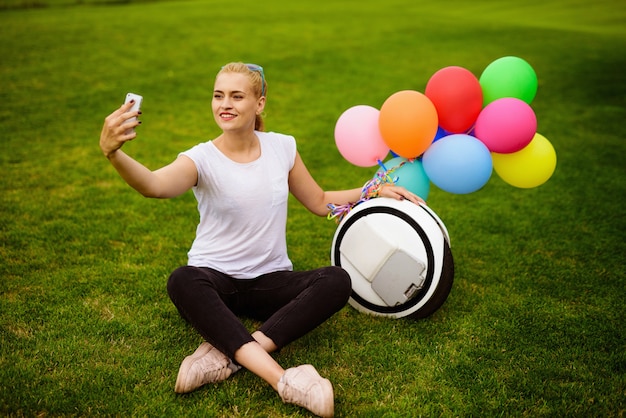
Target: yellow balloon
(529,167)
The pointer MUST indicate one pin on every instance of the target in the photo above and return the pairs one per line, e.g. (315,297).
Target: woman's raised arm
(170,181)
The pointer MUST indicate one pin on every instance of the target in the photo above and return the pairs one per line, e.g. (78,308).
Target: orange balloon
(408,123)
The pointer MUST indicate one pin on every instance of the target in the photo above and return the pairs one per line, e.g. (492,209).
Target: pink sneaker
(206,365)
(303,386)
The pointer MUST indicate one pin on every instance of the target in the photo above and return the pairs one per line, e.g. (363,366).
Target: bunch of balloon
(456,133)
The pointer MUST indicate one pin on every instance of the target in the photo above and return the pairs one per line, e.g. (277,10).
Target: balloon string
(370,190)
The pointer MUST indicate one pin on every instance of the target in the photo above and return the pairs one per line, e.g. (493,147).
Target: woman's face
(234,104)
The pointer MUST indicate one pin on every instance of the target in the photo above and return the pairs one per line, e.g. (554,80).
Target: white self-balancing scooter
(398,256)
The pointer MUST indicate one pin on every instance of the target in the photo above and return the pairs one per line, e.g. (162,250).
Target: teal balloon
(411,175)
(508,77)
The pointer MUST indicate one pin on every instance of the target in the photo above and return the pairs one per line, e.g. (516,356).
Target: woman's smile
(226,116)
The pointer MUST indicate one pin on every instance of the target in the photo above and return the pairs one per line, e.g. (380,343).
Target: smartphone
(137,106)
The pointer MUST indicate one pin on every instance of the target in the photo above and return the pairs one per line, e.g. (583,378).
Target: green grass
(534,325)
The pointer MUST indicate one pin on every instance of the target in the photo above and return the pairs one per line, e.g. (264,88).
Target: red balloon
(457,96)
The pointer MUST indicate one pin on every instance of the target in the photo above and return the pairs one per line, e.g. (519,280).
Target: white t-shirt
(243,208)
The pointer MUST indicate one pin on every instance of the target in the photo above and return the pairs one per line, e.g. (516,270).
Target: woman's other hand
(399,193)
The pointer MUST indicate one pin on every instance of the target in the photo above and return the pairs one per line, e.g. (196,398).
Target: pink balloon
(358,137)
(506,125)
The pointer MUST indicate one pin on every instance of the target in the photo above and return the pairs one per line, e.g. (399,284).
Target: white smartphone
(137,106)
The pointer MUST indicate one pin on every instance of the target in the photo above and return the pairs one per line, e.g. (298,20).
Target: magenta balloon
(358,137)
(506,125)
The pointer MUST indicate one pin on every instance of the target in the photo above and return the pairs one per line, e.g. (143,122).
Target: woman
(238,263)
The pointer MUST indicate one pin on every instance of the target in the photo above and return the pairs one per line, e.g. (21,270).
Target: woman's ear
(260,105)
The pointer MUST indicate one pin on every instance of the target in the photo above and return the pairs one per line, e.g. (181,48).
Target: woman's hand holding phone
(136,107)
(119,126)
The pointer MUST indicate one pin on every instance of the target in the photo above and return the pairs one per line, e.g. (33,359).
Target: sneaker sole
(180,386)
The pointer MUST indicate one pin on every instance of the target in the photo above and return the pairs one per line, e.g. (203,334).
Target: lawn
(534,325)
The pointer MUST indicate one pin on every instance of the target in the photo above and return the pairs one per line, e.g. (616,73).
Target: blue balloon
(411,175)
(441,133)
(458,164)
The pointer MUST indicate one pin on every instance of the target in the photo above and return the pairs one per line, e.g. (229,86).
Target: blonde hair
(257,79)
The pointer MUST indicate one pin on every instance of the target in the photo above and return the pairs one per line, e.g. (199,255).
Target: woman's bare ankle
(265,342)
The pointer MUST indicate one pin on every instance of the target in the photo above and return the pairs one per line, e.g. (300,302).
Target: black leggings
(291,303)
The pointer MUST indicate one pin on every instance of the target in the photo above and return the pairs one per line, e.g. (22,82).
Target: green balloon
(508,77)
